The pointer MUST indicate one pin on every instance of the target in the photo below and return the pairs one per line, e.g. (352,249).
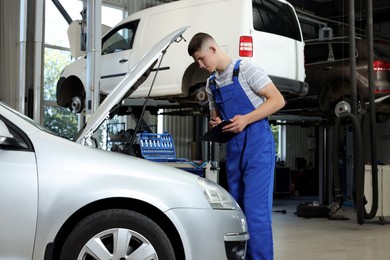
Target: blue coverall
(250,163)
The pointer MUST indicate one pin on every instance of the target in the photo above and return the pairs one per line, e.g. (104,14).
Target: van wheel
(77,104)
(117,234)
(201,96)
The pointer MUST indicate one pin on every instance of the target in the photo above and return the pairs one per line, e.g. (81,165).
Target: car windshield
(382,50)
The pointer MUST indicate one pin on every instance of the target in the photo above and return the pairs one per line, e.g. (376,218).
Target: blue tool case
(157,147)
(161,148)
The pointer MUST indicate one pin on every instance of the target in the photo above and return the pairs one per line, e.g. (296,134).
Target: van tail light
(381,65)
(246,46)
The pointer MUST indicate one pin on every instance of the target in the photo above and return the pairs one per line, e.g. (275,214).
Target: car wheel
(336,92)
(117,234)
(361,107)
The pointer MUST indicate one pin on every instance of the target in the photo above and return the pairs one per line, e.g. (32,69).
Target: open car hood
(127,86)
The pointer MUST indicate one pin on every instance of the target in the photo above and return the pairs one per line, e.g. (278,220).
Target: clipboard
(215,134)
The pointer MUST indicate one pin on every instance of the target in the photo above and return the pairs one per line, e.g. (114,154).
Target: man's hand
(215,121)
(238,124)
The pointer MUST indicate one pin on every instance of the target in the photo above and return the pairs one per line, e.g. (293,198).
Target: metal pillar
(94,34)
(323,165)
(22,55)
(31,56)
(352,60)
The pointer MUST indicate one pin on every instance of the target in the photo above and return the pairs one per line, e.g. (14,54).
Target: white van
(266,31)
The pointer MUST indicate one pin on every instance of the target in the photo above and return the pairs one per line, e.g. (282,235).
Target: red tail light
(381,65)
(246,46)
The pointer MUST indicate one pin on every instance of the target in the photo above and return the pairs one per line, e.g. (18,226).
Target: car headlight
(217,196)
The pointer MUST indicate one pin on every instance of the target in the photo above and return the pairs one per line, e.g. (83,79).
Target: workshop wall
(181,128)
(300,144)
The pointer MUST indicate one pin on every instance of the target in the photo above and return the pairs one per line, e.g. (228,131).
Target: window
(340,51)
(316,53)
(57,55)
(120,40)
(56,26)
(275,17)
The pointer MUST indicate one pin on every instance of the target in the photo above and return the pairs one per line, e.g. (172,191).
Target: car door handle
(123,60)
(326,68)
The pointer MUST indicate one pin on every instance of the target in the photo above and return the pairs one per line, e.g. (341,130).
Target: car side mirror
(4,132)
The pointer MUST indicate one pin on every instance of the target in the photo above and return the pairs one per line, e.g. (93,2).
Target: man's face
(205,57)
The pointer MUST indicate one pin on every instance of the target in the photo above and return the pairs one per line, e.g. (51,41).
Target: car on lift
(328,75)
(64,200)
(267,32)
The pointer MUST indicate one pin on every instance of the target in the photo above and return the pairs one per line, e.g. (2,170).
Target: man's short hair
(197,41)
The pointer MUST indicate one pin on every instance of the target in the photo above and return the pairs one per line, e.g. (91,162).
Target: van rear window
(275,17)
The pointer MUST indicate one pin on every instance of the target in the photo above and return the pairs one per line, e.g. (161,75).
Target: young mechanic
(246,99)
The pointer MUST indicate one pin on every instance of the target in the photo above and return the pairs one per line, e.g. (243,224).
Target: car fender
(133,178)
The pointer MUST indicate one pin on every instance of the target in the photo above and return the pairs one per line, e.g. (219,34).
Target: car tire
(117,234)
(337,91)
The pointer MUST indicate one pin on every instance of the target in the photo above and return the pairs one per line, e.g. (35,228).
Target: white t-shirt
(252,78)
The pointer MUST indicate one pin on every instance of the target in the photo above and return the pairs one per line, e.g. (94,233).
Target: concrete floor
(297,238)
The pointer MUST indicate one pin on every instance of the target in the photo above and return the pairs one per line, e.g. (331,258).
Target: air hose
(344,116)
(374,172)
(343,113)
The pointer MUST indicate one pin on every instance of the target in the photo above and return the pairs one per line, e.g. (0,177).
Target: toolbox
(157,147)
(161,148)
(312,210)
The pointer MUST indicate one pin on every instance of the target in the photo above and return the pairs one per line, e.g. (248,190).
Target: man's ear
(213,49)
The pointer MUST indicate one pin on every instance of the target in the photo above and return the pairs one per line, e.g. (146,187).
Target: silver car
(64,200)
